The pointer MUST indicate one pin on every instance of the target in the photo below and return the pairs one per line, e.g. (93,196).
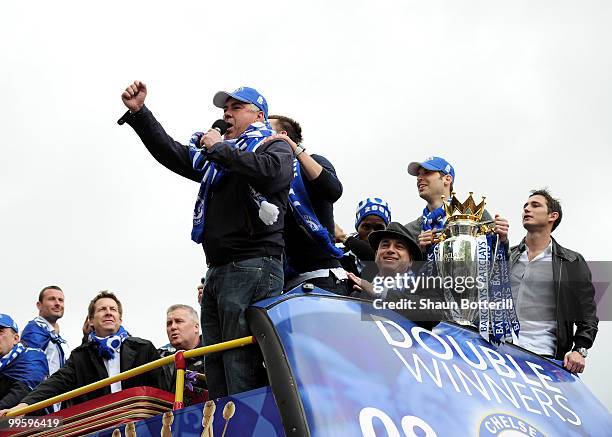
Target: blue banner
(389,376)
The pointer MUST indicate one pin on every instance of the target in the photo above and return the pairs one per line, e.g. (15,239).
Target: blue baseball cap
(7,321)
(243,94)
(433,163)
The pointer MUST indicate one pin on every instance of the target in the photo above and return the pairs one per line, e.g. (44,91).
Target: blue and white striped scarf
(305,216)
(249,141)
(38,333)
(433,220)
(107,346)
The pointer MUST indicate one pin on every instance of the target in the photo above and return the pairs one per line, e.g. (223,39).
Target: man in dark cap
(395,255)
(398,259)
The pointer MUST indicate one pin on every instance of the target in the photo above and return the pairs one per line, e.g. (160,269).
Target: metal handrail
(219,347)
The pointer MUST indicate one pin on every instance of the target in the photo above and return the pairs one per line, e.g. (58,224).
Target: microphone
(124,118)
(221,126)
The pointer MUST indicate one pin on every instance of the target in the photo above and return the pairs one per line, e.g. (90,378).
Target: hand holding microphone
(214,134)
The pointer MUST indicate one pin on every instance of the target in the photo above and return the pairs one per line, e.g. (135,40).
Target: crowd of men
(39,364)
(264,215)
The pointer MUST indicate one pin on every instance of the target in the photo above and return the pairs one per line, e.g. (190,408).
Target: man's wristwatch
(298,150)
(582,351)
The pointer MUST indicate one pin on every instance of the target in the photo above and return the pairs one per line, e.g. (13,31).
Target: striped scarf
(6,360)
(304,214)
(433,220)
(38,333)
(248,141)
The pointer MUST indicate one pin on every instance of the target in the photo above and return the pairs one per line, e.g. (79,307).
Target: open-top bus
(340,366)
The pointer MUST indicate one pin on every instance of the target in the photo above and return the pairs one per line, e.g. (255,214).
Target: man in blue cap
(21,368)
(238,219)
(435,178)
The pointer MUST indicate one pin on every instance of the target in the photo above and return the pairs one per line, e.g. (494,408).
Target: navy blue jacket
(233,230)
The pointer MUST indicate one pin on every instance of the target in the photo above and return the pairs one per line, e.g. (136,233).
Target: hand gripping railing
(178,358)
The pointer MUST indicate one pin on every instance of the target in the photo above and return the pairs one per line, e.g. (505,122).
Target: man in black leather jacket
(552,288)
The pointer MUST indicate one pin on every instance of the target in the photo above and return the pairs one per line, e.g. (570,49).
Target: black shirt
(303,253)
(233,230)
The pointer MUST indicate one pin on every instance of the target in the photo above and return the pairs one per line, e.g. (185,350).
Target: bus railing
(178,358)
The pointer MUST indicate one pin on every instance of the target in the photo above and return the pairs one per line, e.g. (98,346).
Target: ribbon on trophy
(499,327)
(483,254)
(505,317)
(504,320)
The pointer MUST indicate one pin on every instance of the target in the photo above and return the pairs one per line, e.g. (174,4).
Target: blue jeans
(229,290)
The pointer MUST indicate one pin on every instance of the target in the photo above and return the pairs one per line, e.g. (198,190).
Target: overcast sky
(517,95)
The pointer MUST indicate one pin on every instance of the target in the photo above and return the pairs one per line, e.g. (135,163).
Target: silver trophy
(457,258)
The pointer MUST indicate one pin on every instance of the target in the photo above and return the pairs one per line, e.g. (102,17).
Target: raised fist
(134,96)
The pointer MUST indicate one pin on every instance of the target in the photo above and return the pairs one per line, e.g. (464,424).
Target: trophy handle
(439,234)
(487,227)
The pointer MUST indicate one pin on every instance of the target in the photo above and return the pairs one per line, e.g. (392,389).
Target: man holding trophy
(435,178)
(464,247)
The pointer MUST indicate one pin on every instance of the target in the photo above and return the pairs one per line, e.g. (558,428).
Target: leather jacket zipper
(557,293)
